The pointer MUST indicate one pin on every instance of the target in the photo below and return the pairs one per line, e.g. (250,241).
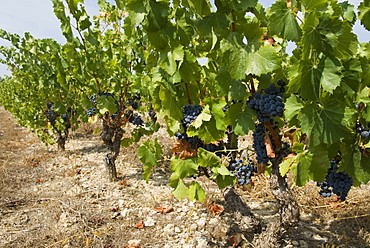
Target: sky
(37,18)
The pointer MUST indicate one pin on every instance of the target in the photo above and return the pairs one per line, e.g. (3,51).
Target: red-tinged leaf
(216,209)
(183,149)
(236,239)
(140,225)
(163,210)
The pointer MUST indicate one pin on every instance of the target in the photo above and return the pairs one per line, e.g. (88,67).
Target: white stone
(202,222)
(177,229)
(149,222)
(169,228)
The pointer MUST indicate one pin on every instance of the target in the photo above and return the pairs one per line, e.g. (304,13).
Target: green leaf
(205,115)
(314,74)
(200,7)
(207,159)
(293,106)
(282,22)
(355,163)
(326,124)
(364,13)
(244,122)
(106,104)
(241,61)
(310,166)
(149,153)
(225,180)
(170,104)
(196,192)
(242,5)
(286,165)
(216,23)
(184,168)
(207,132)
(313,4)
(181,191)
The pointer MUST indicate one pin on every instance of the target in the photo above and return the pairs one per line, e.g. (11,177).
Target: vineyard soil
(63,199)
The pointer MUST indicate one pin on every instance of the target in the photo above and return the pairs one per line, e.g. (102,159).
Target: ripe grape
(243,170)
(269,103)
(259,144)
(336,182)
(191,112)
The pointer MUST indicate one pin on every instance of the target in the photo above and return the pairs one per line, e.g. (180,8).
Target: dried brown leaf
(269,149)
(183,149)
(163,210)
(140,225)
(216,209)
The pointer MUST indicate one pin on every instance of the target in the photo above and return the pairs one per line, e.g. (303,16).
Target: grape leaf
(355,163)
(313,4)
(149,153)
(242,5)
(196,192)
(244,122)
(316,74)
(205,115)
(293,106)
(181,191)
(184,168)
(225,180)
(310,166)
(106,104)
(207,159)
(282,22)
(215,23)
(326,124)
(364,13)
(207,132)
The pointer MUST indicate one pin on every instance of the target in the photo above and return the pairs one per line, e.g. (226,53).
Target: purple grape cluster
(134,118)
(50,113)
(191,112)
(269,103)
(259,143)
(363,131)
(335,182)
(134,101)
(243,170)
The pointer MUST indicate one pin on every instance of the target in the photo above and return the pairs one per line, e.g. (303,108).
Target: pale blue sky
(37,17)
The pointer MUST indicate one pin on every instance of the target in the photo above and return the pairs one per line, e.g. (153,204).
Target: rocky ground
(63,199)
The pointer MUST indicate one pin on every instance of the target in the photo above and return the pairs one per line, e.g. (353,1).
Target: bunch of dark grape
(269,103)
(336,182)
(134,101)
(259,143)
(50,113)
(243,170)
(134,118)
(191,112)
(363,131)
